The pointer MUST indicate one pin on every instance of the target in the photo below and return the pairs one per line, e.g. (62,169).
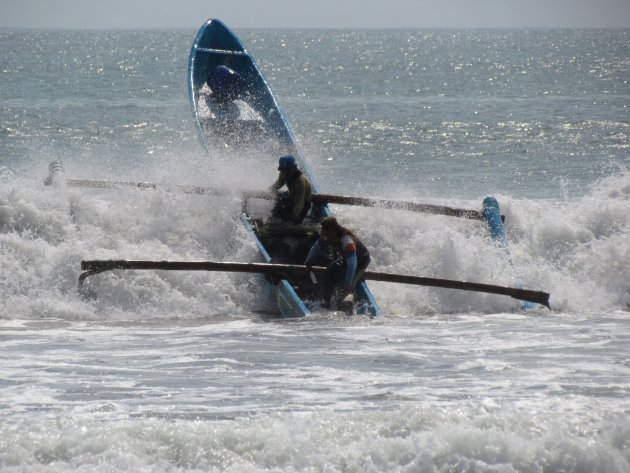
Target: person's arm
(278,184)
(351,268)
(315,252)
(350,255)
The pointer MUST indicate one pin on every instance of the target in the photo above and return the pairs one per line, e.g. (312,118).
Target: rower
(291,206)
(352,259)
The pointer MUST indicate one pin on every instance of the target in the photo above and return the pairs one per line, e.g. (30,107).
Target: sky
(314,13)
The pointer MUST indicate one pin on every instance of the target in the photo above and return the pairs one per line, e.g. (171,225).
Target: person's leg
(358,275)
(331,278)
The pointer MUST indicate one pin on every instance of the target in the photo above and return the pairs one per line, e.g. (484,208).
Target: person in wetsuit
(352,258)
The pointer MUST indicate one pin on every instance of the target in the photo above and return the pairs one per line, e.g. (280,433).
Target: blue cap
(286,162)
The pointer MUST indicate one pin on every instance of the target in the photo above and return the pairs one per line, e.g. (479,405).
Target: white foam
(576,250)
(418,438)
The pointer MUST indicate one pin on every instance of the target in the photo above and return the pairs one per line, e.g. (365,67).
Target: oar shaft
(97,266)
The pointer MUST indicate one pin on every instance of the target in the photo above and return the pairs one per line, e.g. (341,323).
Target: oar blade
(537,297)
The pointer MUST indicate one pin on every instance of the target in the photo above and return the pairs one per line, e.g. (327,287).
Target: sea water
(190,372)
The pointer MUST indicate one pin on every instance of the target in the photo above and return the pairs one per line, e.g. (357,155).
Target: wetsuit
(349,267)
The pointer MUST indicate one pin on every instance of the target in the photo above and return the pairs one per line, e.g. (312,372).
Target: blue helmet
(286,162)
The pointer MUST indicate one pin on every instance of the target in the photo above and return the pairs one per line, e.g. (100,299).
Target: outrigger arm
(56,169)
(93,267)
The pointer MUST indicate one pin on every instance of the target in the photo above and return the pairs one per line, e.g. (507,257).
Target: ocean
(191,372)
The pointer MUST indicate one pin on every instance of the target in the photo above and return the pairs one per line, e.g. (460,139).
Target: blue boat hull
(260,120)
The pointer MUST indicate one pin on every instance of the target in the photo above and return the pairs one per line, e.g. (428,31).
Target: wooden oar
(98,266)
(316,198)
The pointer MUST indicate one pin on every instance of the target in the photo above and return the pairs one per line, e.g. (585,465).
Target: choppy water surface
(174,371)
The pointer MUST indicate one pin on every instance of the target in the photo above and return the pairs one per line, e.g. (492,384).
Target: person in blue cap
(293,205)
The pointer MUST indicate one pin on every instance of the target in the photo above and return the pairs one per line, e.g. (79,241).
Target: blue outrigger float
(239,113)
